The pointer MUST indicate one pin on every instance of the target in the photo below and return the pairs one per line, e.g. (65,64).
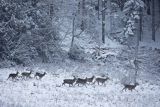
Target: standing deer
(81,81)
(26,74)
(39,75)
(90,80)
(130,87)
(101,80)
(13,76)
(69,81)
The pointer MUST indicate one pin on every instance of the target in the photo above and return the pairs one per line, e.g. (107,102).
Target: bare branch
(79,33)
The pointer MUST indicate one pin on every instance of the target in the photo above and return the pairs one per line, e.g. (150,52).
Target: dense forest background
(44,31)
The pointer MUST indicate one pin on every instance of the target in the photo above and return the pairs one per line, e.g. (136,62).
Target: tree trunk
(98,9)
(51,11)
(103,21)
(79,7)
(159,7)
(110,19)
(83,15)
(73,30)
(153,21)
(148,3)
(137,48)
(141,24)
(159,10)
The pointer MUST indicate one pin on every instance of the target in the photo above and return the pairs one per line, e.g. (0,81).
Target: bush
(76,53)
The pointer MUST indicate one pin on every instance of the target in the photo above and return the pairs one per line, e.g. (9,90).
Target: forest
(79,53)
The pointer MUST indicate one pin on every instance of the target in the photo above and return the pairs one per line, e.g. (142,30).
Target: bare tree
(159,7)
(141,24)
(98,9)
(83,15)
(103,19)
(73,31)
(153,21)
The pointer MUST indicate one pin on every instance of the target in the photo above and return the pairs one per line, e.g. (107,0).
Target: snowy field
(48,92)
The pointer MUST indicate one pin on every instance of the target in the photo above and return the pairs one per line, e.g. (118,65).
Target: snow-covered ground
(48,92)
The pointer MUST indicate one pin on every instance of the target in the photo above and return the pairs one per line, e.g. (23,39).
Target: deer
(90,80)
(130,87)
(81,81)
(13,75)
(101,80)
(39,75)
(26,74)
(69,81)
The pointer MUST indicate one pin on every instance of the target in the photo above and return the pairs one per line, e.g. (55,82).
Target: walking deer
(13,75)
(39,75)
(69,81)
(81,81)
(26,74)
(101,80)
(130,87)
(90,80)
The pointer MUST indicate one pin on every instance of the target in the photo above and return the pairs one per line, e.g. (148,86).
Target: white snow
(48,92)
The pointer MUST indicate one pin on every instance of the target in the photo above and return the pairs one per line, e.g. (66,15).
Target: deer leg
(23,78)
(13,78)
(72,85)
(16,78)
(26,78)
(8,78)
(93,82)
(29,77)
(135,90)
(123,88)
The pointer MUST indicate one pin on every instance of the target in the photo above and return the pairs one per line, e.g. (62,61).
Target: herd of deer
(72,82)
(83,82)
(93,80)
(25,75)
